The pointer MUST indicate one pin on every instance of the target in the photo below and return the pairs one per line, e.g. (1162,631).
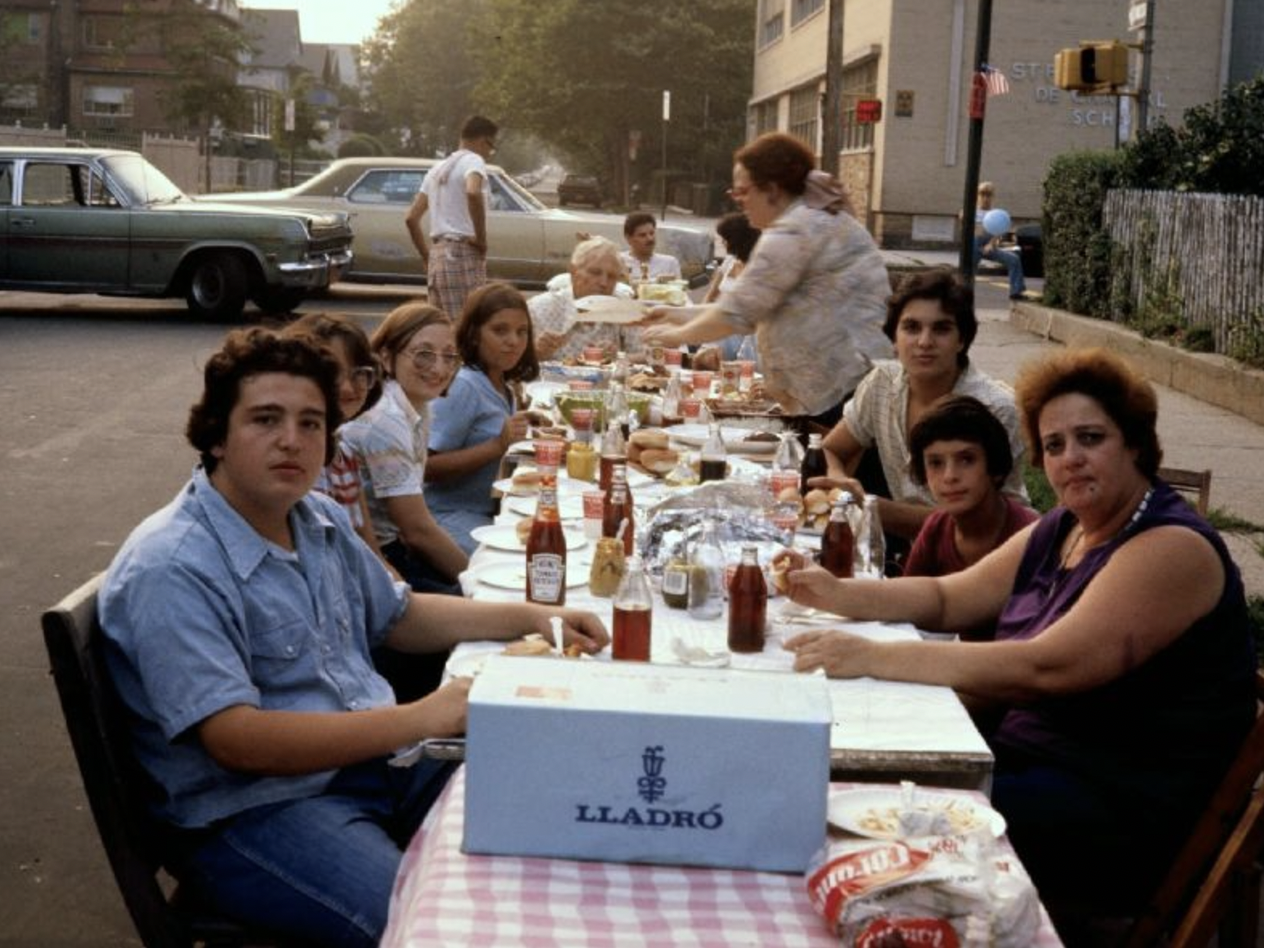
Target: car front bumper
(317,271)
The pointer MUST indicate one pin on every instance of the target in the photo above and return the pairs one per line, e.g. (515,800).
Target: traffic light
(1094,67)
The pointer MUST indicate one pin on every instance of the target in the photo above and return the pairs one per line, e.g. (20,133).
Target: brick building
(907,171)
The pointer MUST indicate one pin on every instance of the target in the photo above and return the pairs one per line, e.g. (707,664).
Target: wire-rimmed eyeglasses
(424,360)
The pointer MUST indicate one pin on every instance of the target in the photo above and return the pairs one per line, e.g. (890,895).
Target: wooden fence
(1203,253)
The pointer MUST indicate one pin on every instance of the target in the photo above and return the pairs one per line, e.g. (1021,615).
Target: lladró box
(630,762)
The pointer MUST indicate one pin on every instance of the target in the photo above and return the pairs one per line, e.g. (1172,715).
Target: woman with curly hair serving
(814,292)
(1123,666)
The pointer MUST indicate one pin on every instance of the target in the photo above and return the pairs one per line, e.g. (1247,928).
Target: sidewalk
(1194,433)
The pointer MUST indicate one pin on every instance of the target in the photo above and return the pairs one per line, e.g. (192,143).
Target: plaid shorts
(456,271)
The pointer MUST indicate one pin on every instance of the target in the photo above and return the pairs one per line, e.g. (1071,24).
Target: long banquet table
(443,897)
(882,731)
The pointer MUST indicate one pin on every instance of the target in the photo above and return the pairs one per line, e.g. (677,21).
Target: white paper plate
(871,812)
(566,487)
(514,575)
(608,309)
(467,665)
(571,507)
(503,536)
(696,435)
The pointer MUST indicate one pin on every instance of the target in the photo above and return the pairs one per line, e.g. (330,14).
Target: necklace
(1122,531)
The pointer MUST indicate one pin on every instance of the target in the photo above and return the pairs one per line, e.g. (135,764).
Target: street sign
(1137,16)
(868,111)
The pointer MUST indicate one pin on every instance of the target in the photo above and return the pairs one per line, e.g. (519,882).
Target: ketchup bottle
(546,547)
(838,542)
(617,507)
(633,607)
(748,605)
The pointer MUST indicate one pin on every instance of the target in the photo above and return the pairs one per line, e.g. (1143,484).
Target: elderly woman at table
(595,270)
(814,292)
(1123,659)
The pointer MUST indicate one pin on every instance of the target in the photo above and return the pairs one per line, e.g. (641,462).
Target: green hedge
(1076,246)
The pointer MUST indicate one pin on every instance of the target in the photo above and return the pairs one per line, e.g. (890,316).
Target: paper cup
(780,480)
(594,353)
(579,385)
(730,378)
(702,381)
(594,501)
(690,408)
(671,356)
(548,453)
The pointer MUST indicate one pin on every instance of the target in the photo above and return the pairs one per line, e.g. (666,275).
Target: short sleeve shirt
(389,442)
(201,613)
(878,415)
(444,187)
(554,311)
(472,413)
(662,266)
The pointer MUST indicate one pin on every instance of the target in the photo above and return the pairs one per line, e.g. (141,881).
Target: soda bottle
(546,546)
(838,542)
(814,464)
(632,611)
(617,508)
(614,451)
(748,605)
(714,463)
(706,576)
(671,398)
(617,409)
(789,456)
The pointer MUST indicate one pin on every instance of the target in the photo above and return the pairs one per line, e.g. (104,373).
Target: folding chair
(1195,483)
(1215,881)
(116,786)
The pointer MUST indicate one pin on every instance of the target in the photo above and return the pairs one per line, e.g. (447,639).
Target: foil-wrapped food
(736,510)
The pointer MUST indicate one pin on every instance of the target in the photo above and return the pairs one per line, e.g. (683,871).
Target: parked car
(579,189)
(85,220)
(528,242)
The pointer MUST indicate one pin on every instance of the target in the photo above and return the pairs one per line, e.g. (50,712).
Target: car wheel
(279,300)
(218,287)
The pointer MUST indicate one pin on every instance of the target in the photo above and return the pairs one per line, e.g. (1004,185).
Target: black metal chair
(164,915)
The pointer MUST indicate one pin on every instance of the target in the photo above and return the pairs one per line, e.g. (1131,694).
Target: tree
(423,73)
(1218,149)
(584,75)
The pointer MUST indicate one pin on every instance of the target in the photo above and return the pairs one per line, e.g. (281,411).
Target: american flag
(997,84)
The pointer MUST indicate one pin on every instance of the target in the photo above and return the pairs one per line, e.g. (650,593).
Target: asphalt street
(95,394)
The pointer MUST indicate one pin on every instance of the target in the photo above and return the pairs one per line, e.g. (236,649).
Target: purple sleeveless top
(1163,733)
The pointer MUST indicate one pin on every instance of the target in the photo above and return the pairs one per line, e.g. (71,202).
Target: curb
(1215,379)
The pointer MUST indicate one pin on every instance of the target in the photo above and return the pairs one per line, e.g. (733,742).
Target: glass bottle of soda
(814,464)
(748,605)
(617,409)
(633,608)
(705,596)
(616,508)
(838,542)
(714,463)
(671,398)
(875,542)
(546,546)
(614,451)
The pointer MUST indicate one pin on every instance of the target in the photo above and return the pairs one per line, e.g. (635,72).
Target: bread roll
(816,501)
(790,495)
(533,644)
(658,461)
(526,479)
(649,438)
(523,529)
(779,574)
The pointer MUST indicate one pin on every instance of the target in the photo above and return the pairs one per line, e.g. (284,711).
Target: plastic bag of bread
(941,890)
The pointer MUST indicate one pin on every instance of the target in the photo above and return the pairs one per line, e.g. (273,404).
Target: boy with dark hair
(456,194)
(238,623)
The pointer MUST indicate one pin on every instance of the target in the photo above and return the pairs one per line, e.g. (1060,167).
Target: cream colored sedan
(528,242)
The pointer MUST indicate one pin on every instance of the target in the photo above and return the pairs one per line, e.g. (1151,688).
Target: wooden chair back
(1214,884)
(116,786)
(1197,484)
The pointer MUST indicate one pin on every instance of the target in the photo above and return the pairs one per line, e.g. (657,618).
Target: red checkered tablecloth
(443,897)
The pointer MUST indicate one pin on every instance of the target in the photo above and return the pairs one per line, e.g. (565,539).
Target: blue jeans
(321,869)
(1012,262)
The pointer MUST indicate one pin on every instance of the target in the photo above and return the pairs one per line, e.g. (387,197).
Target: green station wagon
(85,220)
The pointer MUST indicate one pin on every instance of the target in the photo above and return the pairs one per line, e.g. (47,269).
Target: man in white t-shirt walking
(456,193)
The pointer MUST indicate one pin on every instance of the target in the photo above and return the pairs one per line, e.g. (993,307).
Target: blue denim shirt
(201,613)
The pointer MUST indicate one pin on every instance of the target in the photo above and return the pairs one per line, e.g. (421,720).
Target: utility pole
(974,155)
(832,103)
(1143,88)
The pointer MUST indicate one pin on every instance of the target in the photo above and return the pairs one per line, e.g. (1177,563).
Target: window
(805,113)
(387,187)
(6,183)
(764,115)
(19,101)
(107,100)
(800,10)
(859,82)
(102,32)
(771,21)
(21,28)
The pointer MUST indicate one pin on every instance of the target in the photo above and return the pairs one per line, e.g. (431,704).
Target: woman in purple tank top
(1121,679)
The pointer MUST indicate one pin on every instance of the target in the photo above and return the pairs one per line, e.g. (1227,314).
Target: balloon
(996,222)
